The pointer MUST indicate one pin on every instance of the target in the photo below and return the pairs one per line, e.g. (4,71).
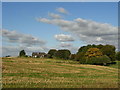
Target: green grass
(115,65)
(51,73)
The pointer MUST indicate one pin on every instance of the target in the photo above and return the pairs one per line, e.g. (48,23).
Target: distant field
(49,73)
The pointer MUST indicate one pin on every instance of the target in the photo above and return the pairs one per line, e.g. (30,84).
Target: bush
(102,60)
(47,56)
(108,50)
(94,56)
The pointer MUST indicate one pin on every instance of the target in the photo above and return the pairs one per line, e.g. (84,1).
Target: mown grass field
(49,73)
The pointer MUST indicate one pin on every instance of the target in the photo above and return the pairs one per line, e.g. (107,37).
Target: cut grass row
(51,73)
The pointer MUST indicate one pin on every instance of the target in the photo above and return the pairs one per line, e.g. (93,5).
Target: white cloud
(14,50)
(64,44)
(24,39)
(63,37)
(62,10)
(99,39)
(89,31)
(54,16)
(15,42)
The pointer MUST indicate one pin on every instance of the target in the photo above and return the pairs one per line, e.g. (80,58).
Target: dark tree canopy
(72,56)
(93,52)
(51,53)
(108,50)
(22,53)
(63,54)
(118,55)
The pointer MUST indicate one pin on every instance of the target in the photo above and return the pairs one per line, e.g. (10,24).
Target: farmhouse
(38,54)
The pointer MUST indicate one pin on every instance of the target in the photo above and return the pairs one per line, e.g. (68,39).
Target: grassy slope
(48,73)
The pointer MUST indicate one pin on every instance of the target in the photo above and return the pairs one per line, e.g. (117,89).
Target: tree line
(90,54)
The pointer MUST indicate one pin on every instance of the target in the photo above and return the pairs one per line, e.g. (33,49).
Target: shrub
(108,50)
(94,56)
(102,60)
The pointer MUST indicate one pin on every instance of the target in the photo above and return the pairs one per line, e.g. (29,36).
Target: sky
(41,26)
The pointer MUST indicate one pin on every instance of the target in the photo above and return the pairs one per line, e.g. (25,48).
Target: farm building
(38,54)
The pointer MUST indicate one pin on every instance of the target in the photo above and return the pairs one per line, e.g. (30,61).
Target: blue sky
(21,18)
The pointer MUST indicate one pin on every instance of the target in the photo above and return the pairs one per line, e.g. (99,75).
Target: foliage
(51,53)
(22,53)
(62,54)
(82,50)
(95,56)
(118,56)
(93,52)
(109,50)
(47,56)
(72,56)
(79,56)
(8,56)
(102,60)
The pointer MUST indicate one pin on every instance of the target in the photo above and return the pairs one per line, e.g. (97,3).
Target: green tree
(72,56)
(118,55)
(22,53)
(51,53)
(93,52)
(109,50)
(63,54)
(95,56)
(79,56)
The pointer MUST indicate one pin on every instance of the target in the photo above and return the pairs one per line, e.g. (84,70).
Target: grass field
(49,73)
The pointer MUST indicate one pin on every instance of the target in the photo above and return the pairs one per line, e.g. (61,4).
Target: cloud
(64,44)
(63,37)
(89,31)
(54,16)
(24,39)
(62,10)
(14,50)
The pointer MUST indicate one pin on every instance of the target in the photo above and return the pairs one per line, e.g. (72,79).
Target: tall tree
(63,54)
(51,53)
(109,50)
(22,53)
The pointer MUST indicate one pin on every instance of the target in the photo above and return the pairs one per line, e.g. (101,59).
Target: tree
(79,56)
(22,53)
(118,55)
(93,52)
(82,50)
(95,56)
(72,56)
(51,53)
(109,50)
(63,54)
